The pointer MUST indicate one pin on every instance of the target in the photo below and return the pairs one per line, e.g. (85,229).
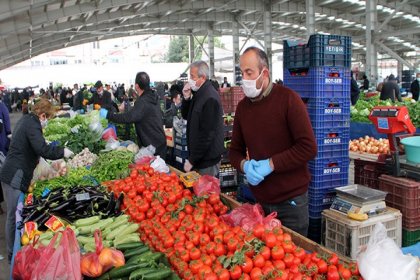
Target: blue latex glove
(103,113)
(251,174)
(264,168)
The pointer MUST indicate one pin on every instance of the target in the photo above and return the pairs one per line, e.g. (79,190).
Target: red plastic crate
(367,173)
(403,194)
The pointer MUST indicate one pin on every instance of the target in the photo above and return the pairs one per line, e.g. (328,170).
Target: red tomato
(279,264)
(259,261)
(219,250)
(332,273)
(333,259)
(247,265)
(223,274)
(277,252)
(300,253)
(235,272)
(195,265)
(322,266)
(288,259)
(270,239)
(256,273)
(232,244)
(258,231)
(195,253)
(265,252)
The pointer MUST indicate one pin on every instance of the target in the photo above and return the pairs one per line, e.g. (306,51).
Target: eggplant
(41,217)
(62,206)
(111,204)
(33,216)
(118,203)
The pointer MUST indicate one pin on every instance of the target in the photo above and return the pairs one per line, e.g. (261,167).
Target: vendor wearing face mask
(273,125)
(26,148)
(101,97)
(204,114)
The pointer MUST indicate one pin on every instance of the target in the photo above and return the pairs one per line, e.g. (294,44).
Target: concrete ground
(4,266)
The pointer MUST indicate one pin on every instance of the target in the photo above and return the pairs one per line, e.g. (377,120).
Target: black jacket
(415,89)
(390,90)
(105,101)
(78,101)
(27,146)
(170,114)
(354,91)
(365,84)
(204,115)
(147,117)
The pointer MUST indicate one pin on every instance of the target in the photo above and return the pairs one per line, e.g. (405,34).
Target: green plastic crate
(410,237)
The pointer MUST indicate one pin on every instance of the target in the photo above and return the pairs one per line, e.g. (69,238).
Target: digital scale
(391,120)
(359,199)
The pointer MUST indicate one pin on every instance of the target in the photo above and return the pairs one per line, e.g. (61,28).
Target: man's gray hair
(203,68)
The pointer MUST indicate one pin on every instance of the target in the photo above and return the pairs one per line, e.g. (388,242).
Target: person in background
(225,83)
(146,116)
(354,90)
(204,115)
(390,90)
(78,98)
(101,97)
(26,148)
(131,93)
(365,83)
(215,83)
(5,135)
(109,89)
(174,110)
(272,125)
(415,87)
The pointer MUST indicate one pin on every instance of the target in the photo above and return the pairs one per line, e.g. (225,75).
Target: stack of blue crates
(180,150)
(320,73)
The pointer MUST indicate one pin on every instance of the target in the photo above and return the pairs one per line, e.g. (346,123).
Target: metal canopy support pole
(399,68)
(310,18)
(267,34)
(235,50)
(191,48)
(211,51)
(371,53)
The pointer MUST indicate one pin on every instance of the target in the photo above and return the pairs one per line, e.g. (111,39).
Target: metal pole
(211,50)
(191,48)
(235,50)
(267,34)
(371,52)
(310,17)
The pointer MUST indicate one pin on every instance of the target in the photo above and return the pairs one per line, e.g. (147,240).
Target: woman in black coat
(26,148)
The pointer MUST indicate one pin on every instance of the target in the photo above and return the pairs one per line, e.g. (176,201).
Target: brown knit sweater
(276,127)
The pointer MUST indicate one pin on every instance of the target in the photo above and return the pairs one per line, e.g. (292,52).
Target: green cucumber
(84,229)
(125,270)
(139,273)
(87,221)
(130,229)
(90,247)
(140,258)
(135,252)
(159,274)
(85,240)
(117,223)
(116,232)
(127,246)
(101,224)
(134,237)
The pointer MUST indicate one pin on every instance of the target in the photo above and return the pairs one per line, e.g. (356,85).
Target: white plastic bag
(382,259)
(112,144)
(44,171)
(148,151)
(159,165)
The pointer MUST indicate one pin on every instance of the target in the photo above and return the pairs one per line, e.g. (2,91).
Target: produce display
(361,111)
(83,159)
(112,165)
(370,145)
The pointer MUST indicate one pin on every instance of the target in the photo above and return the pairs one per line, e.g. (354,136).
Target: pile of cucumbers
(141,264)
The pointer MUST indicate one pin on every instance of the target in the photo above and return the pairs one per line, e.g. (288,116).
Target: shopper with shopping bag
(26,148)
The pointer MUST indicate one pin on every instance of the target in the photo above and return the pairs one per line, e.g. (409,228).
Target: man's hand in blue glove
(103,113)
(251,174)
(264,167)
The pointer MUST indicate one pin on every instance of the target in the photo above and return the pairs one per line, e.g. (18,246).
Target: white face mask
(44,123)
(193,85)
(250,87)
(418,79)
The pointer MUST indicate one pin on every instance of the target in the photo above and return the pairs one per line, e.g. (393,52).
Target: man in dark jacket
(101,97)
(204,115)
(390,90)
(78,98)
(415,87)
(354,90)
(146,116)
(365,83)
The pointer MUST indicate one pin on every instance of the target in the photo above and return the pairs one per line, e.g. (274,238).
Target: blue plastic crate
(332,135)
(316,205)
(181,140)
(317,82)
(321,50)
(329,112)
(330,180)
(333,151)
(315,193)
(181,154)
(328,168)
